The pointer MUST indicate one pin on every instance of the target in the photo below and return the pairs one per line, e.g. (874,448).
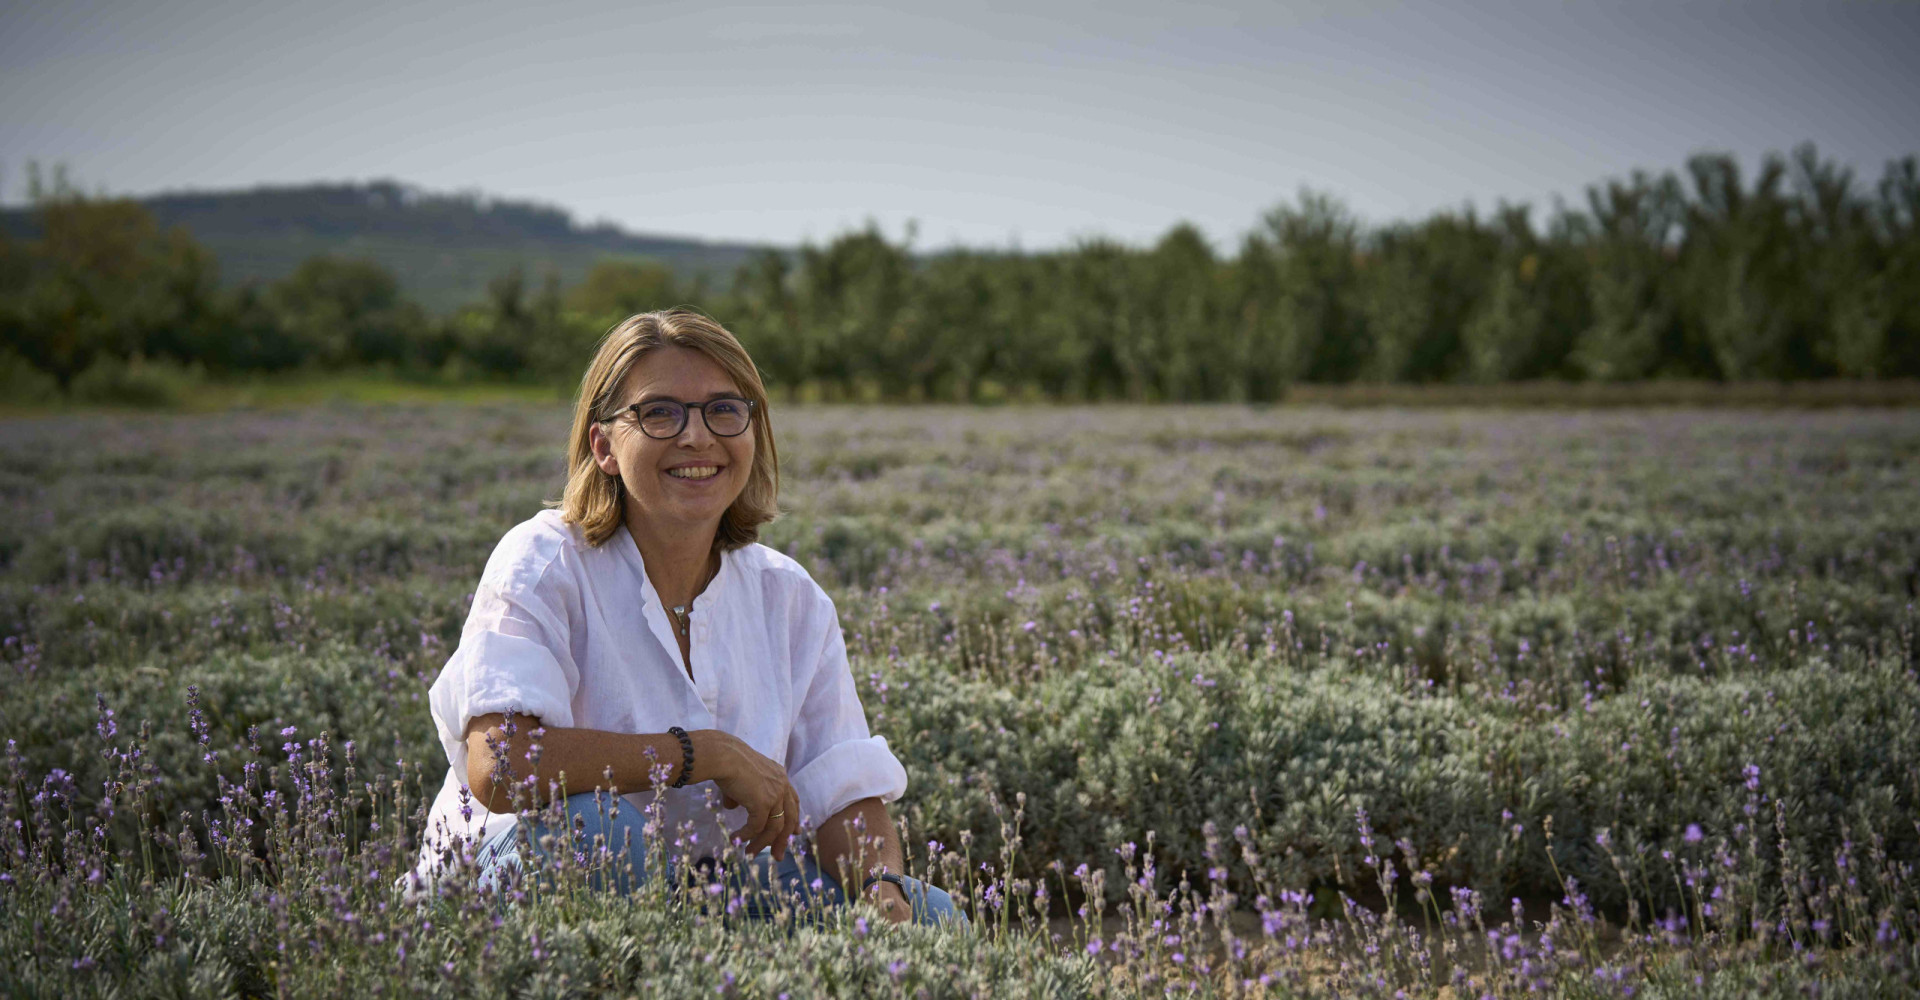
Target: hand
(749,778)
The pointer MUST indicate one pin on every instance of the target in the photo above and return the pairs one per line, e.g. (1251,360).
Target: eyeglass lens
(666,418)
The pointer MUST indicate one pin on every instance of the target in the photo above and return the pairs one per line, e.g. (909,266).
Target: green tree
(765,315)
(523,333)
(341,312)
(1323,331)
(1423,284)
(1525,325)
(102,280)
(1627,241)
(1888,343)
(854,295)
(616,289)
(1177,295)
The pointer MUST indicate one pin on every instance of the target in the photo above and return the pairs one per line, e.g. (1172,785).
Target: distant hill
(443,247)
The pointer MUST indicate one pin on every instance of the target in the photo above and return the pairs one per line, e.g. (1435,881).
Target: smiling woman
(642,621)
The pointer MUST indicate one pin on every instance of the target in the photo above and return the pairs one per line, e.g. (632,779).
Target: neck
(678,562)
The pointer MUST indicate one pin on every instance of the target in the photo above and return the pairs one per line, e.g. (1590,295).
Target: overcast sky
(991,124)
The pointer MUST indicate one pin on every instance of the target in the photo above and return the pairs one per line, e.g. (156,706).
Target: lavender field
(1207,701)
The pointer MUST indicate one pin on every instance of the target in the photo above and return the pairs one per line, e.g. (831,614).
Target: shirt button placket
(708,692)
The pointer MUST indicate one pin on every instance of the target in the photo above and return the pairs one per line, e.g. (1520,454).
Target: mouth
(694,472)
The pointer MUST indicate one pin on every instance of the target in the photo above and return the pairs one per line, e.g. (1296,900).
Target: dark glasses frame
(686,414)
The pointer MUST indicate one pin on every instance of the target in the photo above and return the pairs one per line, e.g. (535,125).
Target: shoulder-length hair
(593,499)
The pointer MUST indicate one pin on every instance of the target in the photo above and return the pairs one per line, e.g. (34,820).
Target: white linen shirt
(576,635)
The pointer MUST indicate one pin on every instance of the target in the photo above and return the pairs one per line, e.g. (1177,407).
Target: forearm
(850,861)
(578,760)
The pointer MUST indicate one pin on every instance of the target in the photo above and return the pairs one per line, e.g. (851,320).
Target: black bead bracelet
(686,749)
(884,877)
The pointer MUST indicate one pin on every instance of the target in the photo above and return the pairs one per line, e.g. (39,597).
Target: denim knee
(932,906)
(603,832)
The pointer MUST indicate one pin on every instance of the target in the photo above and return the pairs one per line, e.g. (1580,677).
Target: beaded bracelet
(686,749)
(884,877)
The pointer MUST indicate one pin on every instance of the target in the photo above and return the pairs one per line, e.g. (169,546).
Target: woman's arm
(850,861)
(581,759)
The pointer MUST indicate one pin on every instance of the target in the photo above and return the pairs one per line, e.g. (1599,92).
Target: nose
(695,434)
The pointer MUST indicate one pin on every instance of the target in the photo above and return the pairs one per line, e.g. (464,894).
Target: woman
(641,624)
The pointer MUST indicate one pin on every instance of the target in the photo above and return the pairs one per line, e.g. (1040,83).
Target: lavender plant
(1206,701)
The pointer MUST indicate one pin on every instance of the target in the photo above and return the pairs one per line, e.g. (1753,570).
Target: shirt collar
(705,600)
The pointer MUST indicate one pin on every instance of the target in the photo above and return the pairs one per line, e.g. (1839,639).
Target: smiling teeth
(695,472)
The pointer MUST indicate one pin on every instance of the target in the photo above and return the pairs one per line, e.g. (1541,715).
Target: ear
(602,450)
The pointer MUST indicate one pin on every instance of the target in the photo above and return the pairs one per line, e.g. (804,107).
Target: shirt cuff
(844,774)
(520,675)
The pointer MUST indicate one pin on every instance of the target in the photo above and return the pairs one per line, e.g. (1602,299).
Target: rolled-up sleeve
(832,759)
(514,653)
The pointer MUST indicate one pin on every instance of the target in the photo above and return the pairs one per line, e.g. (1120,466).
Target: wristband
(884,877)
(686,750)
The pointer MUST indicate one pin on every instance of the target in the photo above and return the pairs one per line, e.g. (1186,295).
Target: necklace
(681,612)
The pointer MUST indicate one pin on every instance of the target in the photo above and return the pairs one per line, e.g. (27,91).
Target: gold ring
(779,814)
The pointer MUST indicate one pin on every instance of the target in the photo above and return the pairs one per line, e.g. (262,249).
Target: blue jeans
(621,824)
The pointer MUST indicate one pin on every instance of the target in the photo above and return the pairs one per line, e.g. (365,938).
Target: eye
(660,411)
(727,408)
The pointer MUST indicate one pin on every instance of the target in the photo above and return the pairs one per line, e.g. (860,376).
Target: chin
(698,513)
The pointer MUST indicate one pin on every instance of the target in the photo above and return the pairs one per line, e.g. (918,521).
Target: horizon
(1576,202)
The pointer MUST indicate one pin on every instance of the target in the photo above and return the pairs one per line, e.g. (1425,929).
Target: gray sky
(992,124)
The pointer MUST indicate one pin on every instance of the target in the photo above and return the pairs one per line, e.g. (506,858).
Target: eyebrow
(669,399)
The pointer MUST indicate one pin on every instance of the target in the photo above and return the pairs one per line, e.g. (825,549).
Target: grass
(299,391)
(201,394)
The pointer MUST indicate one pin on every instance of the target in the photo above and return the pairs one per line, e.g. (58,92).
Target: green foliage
(23,384)
(135,382)
(616,289)
(340,312)
(1799,273)
(102,282)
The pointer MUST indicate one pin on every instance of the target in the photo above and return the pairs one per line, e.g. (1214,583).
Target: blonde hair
(593,499)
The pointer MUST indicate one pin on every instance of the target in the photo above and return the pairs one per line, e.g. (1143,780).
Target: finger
(753,832)
(787,824)
(763,834)
(727,801)
(756,822)
(770,834)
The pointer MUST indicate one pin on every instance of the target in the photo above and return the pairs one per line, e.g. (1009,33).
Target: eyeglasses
(725,416)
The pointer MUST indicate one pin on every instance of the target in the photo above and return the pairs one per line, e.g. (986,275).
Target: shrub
(137,382)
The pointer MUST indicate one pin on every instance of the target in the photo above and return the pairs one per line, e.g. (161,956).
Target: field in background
(163,388)
(1651,668)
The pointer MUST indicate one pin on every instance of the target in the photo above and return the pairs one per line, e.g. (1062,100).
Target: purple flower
(1693,834)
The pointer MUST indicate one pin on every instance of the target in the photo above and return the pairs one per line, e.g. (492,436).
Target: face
(683,483)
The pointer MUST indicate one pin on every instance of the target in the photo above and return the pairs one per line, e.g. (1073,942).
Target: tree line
(1799,272)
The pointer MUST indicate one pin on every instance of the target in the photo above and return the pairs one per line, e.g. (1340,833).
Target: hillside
(443,248)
